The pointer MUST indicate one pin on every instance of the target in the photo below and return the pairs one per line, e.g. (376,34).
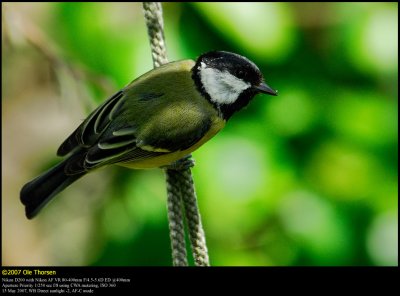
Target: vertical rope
(155,30)
(175,218)
(179,179)
(196,232)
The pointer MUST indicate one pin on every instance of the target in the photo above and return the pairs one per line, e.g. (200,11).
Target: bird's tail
(38,192)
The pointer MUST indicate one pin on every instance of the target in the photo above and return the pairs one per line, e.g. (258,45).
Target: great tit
(157,119)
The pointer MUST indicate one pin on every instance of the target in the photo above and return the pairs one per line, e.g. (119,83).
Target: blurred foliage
(306,178)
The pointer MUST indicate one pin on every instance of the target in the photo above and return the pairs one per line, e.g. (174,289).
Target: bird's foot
(181,164)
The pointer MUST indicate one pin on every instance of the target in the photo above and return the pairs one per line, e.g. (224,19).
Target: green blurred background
(306,178)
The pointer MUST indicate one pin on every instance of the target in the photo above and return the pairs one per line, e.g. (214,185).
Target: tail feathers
(38,192)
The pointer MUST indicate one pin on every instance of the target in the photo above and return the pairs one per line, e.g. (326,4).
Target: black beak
(265,89)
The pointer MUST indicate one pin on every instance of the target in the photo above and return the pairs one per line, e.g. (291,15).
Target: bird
(157,119)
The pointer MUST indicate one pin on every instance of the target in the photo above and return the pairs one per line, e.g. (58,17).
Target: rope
(196,232)
(155,29)
(179,179)
(176,228)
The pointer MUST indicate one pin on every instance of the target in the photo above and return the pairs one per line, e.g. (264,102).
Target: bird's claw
(181,164)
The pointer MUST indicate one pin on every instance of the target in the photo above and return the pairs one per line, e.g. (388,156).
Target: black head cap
(235,64)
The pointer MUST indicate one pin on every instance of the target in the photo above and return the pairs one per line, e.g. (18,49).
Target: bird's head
(229,81)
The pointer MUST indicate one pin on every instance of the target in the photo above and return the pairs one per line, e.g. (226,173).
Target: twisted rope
(179,179)
(155,29)
(196,232)
(176,227)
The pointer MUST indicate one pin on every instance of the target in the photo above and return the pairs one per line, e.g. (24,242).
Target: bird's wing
(157,80)
(178,126)
(89,131)
(147,118)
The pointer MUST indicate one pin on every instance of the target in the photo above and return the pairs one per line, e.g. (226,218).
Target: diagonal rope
(179,179)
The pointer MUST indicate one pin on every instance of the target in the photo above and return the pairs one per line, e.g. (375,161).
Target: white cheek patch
(223,87)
